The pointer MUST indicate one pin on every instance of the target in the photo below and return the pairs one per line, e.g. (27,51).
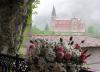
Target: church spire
(53,13)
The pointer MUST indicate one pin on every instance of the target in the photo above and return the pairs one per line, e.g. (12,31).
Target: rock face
(12,23)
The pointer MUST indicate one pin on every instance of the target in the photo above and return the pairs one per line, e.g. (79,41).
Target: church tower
(53,15)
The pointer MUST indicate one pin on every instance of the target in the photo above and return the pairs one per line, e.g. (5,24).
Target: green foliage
(47,27)
(35,30)
(29,15)
(91,29)
(30,7)
(30,11)
(28,21)
(47,31)
(35,5)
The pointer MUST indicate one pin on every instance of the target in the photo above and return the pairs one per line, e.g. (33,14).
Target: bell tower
(53,15)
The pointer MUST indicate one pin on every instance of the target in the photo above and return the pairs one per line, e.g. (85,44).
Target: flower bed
(47,56)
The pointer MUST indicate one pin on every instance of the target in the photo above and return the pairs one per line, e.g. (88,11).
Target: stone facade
(65,25)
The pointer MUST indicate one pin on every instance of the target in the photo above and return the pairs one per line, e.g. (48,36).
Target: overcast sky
(87,10)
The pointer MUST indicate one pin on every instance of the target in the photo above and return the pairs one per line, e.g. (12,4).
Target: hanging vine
(30,6)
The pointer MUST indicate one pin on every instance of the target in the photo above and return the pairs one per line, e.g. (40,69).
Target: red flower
(84,57)
(80,50)
(60,49)
(77,46)
(68,56)
(60,55)
(31,46)
(84,61)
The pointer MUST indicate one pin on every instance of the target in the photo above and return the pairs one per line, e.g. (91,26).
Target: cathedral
(61,25)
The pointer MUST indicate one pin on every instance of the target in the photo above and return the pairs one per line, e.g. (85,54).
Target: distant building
(60,25)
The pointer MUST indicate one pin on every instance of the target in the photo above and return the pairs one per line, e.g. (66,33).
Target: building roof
(53,12)
(89,41)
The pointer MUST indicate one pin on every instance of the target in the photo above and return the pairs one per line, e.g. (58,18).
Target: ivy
(28,20)
(31,7)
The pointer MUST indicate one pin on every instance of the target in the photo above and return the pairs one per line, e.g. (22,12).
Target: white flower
(76,53)
(68,47)
(50,54)
(84,65)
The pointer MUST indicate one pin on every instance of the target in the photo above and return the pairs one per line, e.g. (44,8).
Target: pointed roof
(53,11)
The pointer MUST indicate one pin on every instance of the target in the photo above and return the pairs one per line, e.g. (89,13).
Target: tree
(92,30)
(46,27)
(35,30)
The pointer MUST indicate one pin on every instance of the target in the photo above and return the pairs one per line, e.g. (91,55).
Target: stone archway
(13,14)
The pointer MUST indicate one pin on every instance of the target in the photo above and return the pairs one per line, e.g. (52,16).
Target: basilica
(74,25)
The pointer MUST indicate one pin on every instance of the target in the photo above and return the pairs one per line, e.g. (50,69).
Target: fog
(87,10)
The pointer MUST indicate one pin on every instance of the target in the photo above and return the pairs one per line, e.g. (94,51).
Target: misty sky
(87,10)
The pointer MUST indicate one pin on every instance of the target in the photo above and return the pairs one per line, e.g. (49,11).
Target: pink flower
(80,50)
(67,56)
(84,61)
(77,46)
(60,55)
(84,57)
(31,46)
(60,49)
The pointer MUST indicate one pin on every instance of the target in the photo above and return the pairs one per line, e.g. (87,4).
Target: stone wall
(12,23)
